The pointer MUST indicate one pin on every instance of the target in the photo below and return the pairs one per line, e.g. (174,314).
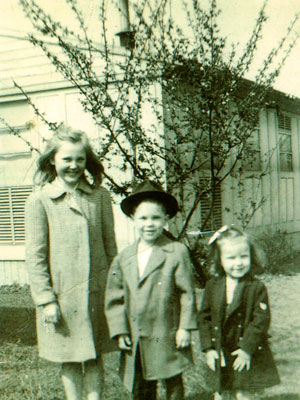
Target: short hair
(256,255)
(46,172)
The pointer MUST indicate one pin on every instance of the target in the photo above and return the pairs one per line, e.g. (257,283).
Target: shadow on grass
(285,361)
(209,396)
(17,325)
(200,396)
(284,396)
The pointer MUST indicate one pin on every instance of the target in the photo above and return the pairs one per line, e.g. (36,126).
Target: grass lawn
(25,376)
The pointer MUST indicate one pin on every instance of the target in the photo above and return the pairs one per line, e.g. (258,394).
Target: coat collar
(219,296)
(55,190)
(162,246)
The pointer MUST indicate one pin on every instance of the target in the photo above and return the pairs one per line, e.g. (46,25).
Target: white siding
(13,272)
(279,189)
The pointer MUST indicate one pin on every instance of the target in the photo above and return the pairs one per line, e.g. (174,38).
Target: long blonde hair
(46,170)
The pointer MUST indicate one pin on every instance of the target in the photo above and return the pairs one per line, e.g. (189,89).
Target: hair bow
(217,234)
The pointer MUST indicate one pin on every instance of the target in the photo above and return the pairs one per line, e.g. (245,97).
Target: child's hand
(124,342)
(242,360)
(182,338)
(51,313)
(211,357)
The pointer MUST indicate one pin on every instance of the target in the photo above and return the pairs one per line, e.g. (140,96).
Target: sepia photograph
(149,199)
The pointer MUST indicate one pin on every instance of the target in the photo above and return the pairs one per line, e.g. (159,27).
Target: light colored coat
(69,247)
(152,308)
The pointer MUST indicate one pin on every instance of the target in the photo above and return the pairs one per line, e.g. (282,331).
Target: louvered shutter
(215,220)
(5,217)
(285,142)
(12,214)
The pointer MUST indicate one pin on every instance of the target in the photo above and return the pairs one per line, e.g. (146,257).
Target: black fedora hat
(152,191)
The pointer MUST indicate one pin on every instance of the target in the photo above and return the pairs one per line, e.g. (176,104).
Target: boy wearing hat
(150,304)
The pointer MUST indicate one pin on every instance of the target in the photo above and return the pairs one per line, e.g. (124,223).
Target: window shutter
(5,216)
(12,214)
(284,122)
(285,143)
(215,220)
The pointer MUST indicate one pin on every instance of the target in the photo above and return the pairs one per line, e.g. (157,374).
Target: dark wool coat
(69,247)
(152,308)
(244,325)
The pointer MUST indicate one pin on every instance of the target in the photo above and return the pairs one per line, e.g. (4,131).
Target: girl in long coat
(69,246)
(234,319)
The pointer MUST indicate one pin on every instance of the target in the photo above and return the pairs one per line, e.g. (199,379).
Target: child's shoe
(243,395)
(217,396)
(222,396)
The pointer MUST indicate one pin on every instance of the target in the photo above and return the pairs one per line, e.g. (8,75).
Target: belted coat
(152,308)
(243,324)
(69,247)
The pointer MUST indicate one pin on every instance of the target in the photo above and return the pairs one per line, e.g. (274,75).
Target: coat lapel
(237,298)
(158,256)
(156,259)
(131,266)
(219,296)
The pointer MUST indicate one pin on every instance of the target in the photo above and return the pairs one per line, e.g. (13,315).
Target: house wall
(279,189)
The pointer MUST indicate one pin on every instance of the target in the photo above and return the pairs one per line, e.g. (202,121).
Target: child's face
(235,257)
(150,219)
(70,162)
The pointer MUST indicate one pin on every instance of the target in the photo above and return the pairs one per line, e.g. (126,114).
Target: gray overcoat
(152,308)
(69,247)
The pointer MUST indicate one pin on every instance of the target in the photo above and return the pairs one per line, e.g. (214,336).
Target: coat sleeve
(37,251)
(185,283)
(115,308)
(108,227)
(256,331)
(205,320)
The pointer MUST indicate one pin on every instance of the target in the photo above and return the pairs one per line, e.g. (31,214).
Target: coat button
(240,326)
(213,339)
(216,328)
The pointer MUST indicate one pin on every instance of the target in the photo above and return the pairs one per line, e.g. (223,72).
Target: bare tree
(207,109)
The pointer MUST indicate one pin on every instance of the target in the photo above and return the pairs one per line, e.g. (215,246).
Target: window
(285,143)
(214,221)
(17,115)
(12,214)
